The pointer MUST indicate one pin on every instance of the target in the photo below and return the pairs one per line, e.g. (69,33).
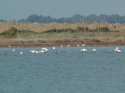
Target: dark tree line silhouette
(74,19)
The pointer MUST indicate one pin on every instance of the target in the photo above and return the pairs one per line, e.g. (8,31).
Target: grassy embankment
(55,34)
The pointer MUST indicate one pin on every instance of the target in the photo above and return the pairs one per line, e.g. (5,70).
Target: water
(63,70)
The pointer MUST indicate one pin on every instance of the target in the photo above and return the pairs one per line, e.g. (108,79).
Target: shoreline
(27,44)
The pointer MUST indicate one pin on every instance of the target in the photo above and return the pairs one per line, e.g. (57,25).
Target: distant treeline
(74,19)
(1,20)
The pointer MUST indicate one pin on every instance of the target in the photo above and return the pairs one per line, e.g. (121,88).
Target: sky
(19,9)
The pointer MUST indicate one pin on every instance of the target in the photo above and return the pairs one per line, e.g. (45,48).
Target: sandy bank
(57,43)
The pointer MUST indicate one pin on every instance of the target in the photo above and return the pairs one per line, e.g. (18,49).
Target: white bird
(61,46)
(68,45)
(13,50)
(21,53)
(117,50)
(42,51)
(9,46)
(45,49)
(83,50)
(94,50)
(78,45)
(83,44)
(34,52)
(54,48)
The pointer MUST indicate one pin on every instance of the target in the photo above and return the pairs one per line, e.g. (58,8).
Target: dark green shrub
(10,33)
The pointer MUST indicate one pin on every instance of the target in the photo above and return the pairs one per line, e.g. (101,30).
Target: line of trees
(74,19)
(1,20)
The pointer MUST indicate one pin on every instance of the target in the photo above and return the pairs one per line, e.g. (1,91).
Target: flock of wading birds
(83,50)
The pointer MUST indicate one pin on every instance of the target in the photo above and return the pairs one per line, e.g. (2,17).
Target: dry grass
(83,33)
(35,27)
(50,26)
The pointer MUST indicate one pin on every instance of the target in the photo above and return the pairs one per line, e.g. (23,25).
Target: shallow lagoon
(63,70)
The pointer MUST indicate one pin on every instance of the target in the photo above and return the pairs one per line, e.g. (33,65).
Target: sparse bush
(13,32)
(105,29)
(82,29)
(10,33)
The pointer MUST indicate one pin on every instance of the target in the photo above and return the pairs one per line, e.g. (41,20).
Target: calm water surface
(63,70)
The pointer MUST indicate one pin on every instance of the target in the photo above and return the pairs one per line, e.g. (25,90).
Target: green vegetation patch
(13,33)
(60,31)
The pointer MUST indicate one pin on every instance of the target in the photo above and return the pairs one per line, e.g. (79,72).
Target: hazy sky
(18,9)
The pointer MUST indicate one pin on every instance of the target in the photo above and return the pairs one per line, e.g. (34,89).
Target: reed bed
(45,27)
(79,32)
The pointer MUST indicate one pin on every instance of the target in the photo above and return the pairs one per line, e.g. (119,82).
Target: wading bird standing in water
(117,50)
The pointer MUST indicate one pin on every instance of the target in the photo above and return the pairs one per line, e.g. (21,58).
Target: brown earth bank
(57,43)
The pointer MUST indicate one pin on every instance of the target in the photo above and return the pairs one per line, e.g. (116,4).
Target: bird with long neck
(117,50)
